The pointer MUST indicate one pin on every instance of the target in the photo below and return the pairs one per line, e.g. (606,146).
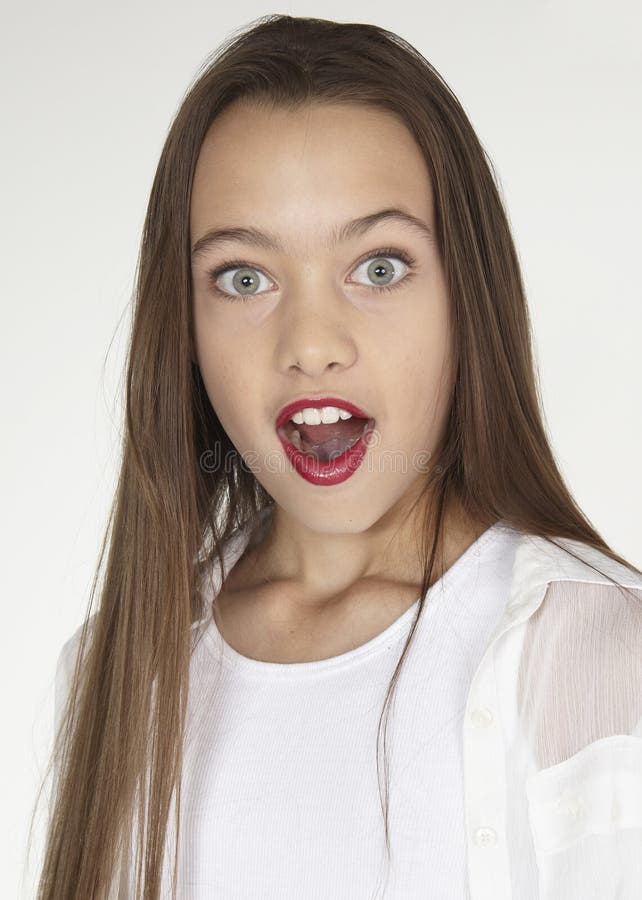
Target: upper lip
(317,402)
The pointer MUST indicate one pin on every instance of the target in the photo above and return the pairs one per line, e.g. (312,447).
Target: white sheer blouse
(551,734)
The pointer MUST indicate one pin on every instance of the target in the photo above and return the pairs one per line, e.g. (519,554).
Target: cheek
(218,377)
(422,348)
(219,353)
(423,374)
(232,391)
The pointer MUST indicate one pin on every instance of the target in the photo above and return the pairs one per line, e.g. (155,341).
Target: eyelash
(385,252)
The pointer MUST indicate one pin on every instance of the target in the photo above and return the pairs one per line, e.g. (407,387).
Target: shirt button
(485,837)
(481,717)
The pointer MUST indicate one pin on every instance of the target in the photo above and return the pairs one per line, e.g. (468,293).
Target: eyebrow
(268,241)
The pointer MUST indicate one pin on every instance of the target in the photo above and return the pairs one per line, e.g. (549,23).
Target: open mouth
(325,442)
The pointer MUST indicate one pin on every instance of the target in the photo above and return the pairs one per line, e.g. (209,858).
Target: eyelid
(240,263)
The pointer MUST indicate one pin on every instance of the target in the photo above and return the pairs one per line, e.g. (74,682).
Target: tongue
(330,441)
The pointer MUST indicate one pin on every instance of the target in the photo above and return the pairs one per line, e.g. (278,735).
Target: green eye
(380,271)
(245,280)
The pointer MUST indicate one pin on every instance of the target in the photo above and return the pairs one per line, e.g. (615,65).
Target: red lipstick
(333,471)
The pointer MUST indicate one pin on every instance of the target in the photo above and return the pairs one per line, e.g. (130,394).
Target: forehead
(300,172)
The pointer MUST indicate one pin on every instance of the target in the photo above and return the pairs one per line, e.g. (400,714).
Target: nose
(311,343)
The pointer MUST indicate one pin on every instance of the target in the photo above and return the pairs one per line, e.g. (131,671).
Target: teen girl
(336,489)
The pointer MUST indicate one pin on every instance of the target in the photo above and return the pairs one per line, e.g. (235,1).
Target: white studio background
(554,90)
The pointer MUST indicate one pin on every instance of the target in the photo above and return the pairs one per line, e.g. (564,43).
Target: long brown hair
(120,748)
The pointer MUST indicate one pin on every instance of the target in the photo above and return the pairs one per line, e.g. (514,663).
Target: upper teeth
(325,415)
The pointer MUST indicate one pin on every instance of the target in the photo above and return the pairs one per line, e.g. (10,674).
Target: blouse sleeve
(580,701)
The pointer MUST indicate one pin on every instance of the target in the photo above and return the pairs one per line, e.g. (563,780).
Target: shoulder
(591,607)
(580,673)
(69,650)
(543,560)
(66,664)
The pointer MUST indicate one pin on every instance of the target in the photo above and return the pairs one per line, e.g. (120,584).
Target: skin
(318,326)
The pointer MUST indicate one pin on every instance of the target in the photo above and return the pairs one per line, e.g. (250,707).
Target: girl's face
(302,310)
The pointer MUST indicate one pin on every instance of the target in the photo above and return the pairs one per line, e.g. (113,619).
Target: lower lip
(335,470)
